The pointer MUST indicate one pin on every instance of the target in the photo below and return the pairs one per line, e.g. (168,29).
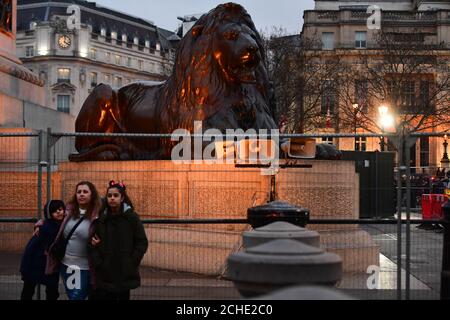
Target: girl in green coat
(118,246)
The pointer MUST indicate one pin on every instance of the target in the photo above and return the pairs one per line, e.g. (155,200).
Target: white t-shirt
(77,250)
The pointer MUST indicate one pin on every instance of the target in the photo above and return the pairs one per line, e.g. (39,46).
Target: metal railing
(46,156)
(196,270)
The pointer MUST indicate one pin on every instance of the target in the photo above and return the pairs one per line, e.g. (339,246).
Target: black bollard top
(277,211)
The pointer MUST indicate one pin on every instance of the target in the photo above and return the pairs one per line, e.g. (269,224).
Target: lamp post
(355,118)
(445,162)
(355,108)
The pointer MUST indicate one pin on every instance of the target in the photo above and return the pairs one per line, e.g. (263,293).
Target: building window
(113,35)
(63,75)
(107,78)
(103,32)
(129,61)
(425,93)
(108,56)
(141,64)
(124,37)
(158,46)
(136,41)
(360,143)
(93,54)
(29,51)
(408,94)
(327,40)
(93,76)
(117,82)
(328,98)
(360,39)
(328,140)
(118,59)
(424,151)
(147,43)
(63,103)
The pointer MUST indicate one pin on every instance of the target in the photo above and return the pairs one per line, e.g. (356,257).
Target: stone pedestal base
(356,248)
(187,249)
(162,189)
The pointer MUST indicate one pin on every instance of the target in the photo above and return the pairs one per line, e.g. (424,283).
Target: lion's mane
(197,88)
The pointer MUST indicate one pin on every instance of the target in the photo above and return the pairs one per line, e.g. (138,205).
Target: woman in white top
(75,267)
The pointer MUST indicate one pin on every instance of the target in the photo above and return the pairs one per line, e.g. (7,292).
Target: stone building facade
(75,45)
(22,93)
(342,28)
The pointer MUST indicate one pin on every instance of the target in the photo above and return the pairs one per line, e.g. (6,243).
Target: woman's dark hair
(94,204)
(119,185)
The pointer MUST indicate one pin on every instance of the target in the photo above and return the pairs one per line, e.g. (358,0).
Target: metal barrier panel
(186,260)
(377,258)
(20,174)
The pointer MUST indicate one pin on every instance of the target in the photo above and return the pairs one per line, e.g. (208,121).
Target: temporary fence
(389,251)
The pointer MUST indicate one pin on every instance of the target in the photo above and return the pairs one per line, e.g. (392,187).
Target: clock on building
(64,41)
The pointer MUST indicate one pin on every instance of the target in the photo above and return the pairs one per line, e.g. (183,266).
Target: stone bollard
(282,263)
(445,274)
(305,293)
(280,230)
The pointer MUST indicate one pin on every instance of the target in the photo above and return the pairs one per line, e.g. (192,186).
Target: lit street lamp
(386,122)
(355,108)
(445,162)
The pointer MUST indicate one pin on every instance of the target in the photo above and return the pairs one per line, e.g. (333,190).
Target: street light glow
(386,119)
(383,110)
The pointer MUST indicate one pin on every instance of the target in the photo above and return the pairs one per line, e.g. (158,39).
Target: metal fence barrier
(186,259)
(390,255)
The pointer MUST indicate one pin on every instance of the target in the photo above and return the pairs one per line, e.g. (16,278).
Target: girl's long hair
(94,205)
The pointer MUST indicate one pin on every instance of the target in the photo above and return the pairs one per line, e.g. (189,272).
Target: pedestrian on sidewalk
(118,246)
(34,259)
(77,229)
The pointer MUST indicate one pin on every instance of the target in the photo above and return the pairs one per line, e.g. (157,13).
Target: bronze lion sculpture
(219,78)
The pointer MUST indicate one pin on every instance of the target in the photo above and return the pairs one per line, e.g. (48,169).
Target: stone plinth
(201,249)
(329,189)
(17,83)
(162,189)
(356,248)
(20,190)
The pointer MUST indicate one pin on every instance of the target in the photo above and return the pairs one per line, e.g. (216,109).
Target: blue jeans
(76,282)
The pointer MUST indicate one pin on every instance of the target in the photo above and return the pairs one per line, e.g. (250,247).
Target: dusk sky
(265,14)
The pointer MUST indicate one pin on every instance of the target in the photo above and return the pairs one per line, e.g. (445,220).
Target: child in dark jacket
(118,246)
(34,258)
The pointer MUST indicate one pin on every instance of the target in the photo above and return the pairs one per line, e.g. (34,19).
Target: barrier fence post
(445,274)
(399,214)
(409,143)
(49,163)
(39,195)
